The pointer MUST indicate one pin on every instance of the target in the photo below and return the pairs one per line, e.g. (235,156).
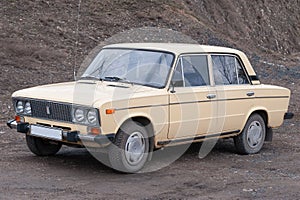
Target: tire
(42,147)
(130,150)
(252,138)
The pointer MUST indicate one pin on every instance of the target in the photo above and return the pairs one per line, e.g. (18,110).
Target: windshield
(149,68)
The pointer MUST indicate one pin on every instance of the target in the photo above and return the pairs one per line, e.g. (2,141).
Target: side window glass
(191,71)
(224,70)
(227,70)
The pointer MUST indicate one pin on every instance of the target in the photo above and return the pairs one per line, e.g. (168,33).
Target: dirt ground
(223,174)
(38,46)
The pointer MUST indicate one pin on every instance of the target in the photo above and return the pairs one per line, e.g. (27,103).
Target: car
(135,98)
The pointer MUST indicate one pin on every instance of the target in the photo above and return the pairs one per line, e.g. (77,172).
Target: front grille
(51,110)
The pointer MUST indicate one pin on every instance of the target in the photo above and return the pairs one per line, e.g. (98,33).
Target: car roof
(176,48)
(181,48)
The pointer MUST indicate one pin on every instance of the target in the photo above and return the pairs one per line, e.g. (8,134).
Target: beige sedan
(135,98)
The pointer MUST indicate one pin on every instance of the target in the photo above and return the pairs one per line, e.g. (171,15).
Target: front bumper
(12,124)
(68,136)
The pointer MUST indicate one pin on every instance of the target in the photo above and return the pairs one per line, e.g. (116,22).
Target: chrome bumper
(12,124)
(69,136)
(102,140)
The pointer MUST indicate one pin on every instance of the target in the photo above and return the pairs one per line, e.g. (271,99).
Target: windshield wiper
(89,78)
(115,79)
(112,78)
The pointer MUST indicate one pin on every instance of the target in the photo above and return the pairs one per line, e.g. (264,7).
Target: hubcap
(135,148)
(254,134)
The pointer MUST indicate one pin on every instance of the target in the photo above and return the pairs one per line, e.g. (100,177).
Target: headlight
(22,107)
(19,107)
(27,108)
(85,115)
(92,116)
(79,115)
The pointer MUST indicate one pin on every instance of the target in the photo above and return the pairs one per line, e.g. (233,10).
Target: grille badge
(48,110)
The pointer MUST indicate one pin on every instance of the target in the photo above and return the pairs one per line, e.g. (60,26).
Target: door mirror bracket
(172,88)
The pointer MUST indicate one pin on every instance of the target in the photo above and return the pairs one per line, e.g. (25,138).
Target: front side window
(228,70)
(149,68)
(191,71)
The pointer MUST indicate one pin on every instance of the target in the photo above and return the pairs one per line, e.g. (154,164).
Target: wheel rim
(135,148)
(255,134)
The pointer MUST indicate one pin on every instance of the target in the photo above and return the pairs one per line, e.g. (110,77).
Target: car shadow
(80,160)
(221,146)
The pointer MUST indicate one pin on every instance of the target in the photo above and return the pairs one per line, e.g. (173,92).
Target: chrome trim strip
(198,137)
(135,107)
(204,101)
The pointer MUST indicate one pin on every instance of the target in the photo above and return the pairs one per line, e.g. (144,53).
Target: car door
(191,106)
(234,92)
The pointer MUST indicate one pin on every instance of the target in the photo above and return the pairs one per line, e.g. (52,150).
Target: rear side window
(228,70)
(191,71)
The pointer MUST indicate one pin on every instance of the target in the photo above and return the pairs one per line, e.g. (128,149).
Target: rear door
(234,92)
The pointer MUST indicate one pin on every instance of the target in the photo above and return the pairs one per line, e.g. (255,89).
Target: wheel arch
(146,122)
(264,114)
(258,110)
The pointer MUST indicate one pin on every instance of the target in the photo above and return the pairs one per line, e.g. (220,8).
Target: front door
(192,105)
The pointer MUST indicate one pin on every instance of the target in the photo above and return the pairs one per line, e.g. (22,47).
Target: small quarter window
(242,77)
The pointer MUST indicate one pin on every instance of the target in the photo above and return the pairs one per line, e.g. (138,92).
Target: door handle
(211,96)
(250,94)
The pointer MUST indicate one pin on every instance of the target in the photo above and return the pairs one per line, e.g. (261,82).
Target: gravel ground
(75,174)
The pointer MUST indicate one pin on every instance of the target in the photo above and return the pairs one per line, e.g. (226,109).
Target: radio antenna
(77,38)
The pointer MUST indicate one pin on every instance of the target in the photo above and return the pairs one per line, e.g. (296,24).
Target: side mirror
(176,83)
(172,87)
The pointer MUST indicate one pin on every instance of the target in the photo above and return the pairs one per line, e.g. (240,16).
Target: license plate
(46,132)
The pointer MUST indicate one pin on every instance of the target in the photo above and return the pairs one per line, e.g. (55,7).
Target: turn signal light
(18,118)
(94,131)
(110,111)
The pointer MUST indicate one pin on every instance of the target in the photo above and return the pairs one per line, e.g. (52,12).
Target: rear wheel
(251,140)
(42,147)
(130,150)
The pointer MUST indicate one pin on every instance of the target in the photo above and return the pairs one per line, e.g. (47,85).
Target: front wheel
(42,147)
(252,138)
(130,150)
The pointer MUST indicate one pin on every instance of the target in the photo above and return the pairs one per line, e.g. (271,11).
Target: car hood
(84,92)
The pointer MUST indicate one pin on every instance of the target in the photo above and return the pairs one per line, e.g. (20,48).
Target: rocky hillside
(38,37)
